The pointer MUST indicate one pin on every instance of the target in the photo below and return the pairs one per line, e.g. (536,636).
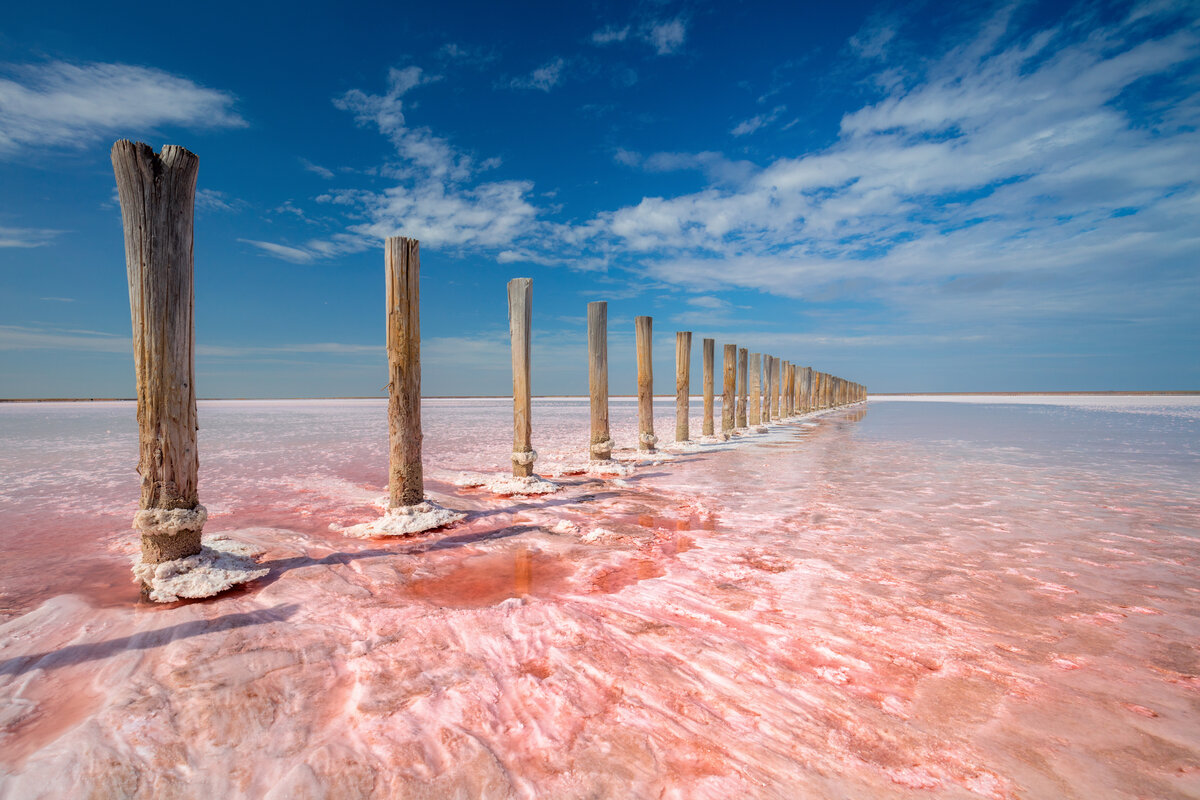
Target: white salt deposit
(505,485)
(170,520)
(404,521)
(221,564)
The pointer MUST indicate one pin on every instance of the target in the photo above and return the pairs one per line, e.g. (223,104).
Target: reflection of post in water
(522,571)
(857,414)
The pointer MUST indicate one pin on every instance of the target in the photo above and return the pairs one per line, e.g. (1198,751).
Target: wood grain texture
(776,385)
(402,268)
(740,422)
(157,192)
(683,380)
(706,425)
(600,444)
(786,368)
(755,378)
(729,393)
(520,330)
(644,331)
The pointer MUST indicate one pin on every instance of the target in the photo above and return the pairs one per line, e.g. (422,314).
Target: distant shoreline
(1099,393)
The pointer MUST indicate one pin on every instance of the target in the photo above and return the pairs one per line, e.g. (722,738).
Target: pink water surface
(910,599)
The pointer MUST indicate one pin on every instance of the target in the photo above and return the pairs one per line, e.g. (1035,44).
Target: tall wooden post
(755,377)
(157,193)
(683,382)
(402,264)
(768,362)
(645,375)
(707,425)
(728,398)
(776,385)
(741,400)
(520,329)
(806,391)
(786,369)
(600,446)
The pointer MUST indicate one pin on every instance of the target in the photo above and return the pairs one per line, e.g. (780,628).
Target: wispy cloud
(437,196)
(544,78)
(27,237)
(666,36)
(20,337)
(58,104)
(292,254)
(212,200)
(1020,156)
(749,126)
(317,169)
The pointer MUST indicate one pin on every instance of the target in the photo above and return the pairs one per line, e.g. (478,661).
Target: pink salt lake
(987,597)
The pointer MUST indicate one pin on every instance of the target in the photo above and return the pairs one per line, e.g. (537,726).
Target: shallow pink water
(933,599)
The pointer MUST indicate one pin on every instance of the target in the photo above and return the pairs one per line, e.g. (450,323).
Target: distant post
(645,376)
(785,369)
(768,361)
(755,392)
(520,329)
(157,192)
(601,445)
(728,401)
(741,401)
(776,385)
(683,375)
(707,425)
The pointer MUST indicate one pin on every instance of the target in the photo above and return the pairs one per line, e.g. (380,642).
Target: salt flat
(923,597)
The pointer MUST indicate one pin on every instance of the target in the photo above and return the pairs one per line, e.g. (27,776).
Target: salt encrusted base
(405,521)
(762,429)
(610,468)
(716,438)
(221,564)
(505,485)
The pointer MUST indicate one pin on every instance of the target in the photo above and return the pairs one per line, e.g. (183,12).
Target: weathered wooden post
(728,400)
(768,360)
(776,385)
(157,194)
(707,425)
(601,444)
(645,374)
(786,366)
(741,400)
(806,390)
(683,382)
(406,480)
(755,376)
(520,330)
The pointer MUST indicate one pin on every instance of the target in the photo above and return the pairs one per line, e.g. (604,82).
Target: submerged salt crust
(943,599)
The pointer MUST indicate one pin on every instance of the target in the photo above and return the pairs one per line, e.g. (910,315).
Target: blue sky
(919,197)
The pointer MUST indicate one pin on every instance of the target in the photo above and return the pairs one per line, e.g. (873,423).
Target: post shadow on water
(146,640)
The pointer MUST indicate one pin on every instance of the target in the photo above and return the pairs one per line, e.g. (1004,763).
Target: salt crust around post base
(404,521)
(221,564)
(505,485)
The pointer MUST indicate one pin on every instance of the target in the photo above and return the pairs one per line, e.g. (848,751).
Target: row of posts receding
(157,194)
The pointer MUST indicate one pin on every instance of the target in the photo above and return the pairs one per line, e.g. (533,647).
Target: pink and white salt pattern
(936,599)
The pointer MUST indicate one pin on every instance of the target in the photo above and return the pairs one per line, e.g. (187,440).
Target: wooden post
(520,330)
(785,367)
(645,372)
(741,400)
(683,382)
(728,398)
(776,386)
(600,445)
(768,362)
(806,390)
(402,264)
(755,376)
(157,192)
(707,427)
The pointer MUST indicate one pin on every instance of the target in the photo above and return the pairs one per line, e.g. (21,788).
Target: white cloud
(436,197)
(212,200)
(57,104)
(544,78)
(1022,160)
(609,34)
(666,36)
(324,172)
(292,254)
(757,121)
(20,337)
(27,237)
